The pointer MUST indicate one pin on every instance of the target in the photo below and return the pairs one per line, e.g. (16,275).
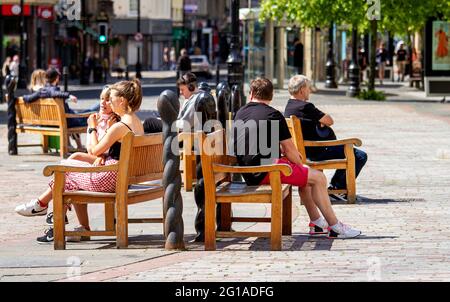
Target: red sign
(14,10)
(138,37)
(45,12)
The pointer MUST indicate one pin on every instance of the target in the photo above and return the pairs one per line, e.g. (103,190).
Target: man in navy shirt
(311,117)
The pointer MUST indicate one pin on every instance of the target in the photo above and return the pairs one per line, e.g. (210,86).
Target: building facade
(155,27)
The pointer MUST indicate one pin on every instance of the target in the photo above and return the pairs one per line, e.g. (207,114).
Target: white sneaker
(342,231)
(33,208)
(78,238)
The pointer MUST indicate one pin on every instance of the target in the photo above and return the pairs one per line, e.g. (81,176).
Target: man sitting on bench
(258,121)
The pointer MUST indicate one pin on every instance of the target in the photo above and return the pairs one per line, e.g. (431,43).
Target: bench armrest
(285,169)
(78,115)
(354,141)
(49,170)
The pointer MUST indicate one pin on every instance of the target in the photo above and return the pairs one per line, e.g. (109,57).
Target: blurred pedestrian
(298,55)
(401,62)
(166,59)
(381,59)
(14,66)
(184,63)
(5,68)
(173,59)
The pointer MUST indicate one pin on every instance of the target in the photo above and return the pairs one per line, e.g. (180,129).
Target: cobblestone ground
(402,209)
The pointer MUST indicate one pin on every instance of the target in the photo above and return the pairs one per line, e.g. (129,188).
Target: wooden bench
(46,117)
(140,170)
(188,160)
(348,163)
(219,189)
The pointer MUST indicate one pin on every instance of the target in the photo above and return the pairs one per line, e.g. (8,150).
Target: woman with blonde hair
(38,80)
(125,100)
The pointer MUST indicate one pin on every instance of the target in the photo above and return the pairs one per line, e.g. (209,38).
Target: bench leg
(210,225)
(122,224)
(109,217)
(287,214)
(350,174)
(277,212)
(59,213)
(223,215)
(44,141)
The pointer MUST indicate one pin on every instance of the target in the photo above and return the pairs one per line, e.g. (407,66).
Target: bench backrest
(213,152)
(295,127)
(141,159)
(42,112)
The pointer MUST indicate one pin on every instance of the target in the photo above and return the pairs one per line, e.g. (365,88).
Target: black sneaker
(47,238)
(49,219)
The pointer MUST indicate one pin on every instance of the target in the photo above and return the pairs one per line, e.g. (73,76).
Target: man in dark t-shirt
(260,136)
(401,62)
(311,117)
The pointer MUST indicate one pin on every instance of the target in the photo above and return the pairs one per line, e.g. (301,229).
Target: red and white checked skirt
(93,182)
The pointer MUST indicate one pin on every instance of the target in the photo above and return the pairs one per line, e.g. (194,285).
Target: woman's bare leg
(82,215)
(46,197)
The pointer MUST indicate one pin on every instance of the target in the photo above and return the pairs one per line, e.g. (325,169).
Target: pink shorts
(298,178)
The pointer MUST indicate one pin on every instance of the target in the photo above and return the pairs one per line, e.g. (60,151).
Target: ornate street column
(169,107)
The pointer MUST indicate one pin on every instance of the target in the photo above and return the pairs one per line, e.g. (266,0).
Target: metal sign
(138,37)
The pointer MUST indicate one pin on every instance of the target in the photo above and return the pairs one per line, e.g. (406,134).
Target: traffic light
(103,33)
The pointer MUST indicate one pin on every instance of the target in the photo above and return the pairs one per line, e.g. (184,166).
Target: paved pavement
(403,211)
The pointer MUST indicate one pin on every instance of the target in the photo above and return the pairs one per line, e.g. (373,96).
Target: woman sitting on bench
(125,101)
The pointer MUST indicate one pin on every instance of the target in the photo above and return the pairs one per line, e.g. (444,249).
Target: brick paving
(403,211)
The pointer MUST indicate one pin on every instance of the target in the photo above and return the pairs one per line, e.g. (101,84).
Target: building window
(133,8)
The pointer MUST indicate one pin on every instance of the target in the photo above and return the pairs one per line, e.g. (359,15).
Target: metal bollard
(11,84)
(169,107)
(223,100)
(217,74)
(66,78)
(126,74)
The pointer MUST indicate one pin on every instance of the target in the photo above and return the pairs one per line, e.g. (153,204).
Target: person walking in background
(401,62)
(184,62)
(166,59)
(298,55)
(5,68)
(14,66)
(381,59)
(173,59)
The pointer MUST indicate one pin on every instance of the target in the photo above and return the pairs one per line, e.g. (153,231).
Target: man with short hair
(270,125)
(300,88)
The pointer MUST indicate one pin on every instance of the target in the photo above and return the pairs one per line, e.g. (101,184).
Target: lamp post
(138,62)
(22,83)
(84,77)
(354,88)
(234,61)
(330,65)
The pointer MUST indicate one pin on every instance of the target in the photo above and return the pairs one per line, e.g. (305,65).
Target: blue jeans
(337,152)
(79,122)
